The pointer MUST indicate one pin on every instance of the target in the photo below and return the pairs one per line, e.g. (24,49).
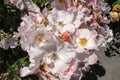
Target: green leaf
(117,2)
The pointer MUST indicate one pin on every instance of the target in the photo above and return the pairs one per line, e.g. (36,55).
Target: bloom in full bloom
(65,36)
(50,62)
(86,40)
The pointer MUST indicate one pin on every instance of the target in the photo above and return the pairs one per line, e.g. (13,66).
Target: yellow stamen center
(41,38)
(60,23)
(53,56)
(43,21)
(82,42)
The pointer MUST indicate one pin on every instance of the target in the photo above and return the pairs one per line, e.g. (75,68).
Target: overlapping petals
(61,42)
(86,40)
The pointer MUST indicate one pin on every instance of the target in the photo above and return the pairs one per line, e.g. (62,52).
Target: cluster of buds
(115,13)
(61,42)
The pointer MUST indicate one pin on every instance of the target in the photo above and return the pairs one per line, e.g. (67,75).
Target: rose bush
(60,42)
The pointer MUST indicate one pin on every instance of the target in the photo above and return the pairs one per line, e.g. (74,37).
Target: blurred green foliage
(9,18)
(10,63)
(116,2)
(113,2)
(40,3)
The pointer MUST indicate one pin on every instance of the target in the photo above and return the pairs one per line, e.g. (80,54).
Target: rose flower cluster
(61,42)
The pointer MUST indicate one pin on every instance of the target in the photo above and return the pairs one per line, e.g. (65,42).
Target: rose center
(41,38)
(81,41)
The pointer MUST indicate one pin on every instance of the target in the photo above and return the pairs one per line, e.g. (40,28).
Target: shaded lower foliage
(110,2)
(113,48)
(10,63)
(96,71)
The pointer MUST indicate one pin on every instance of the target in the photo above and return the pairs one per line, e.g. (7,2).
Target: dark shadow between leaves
(110,2)
(95,72)
(113,48)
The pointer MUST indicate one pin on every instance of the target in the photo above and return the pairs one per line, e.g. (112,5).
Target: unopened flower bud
(116,8)
(114,16)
